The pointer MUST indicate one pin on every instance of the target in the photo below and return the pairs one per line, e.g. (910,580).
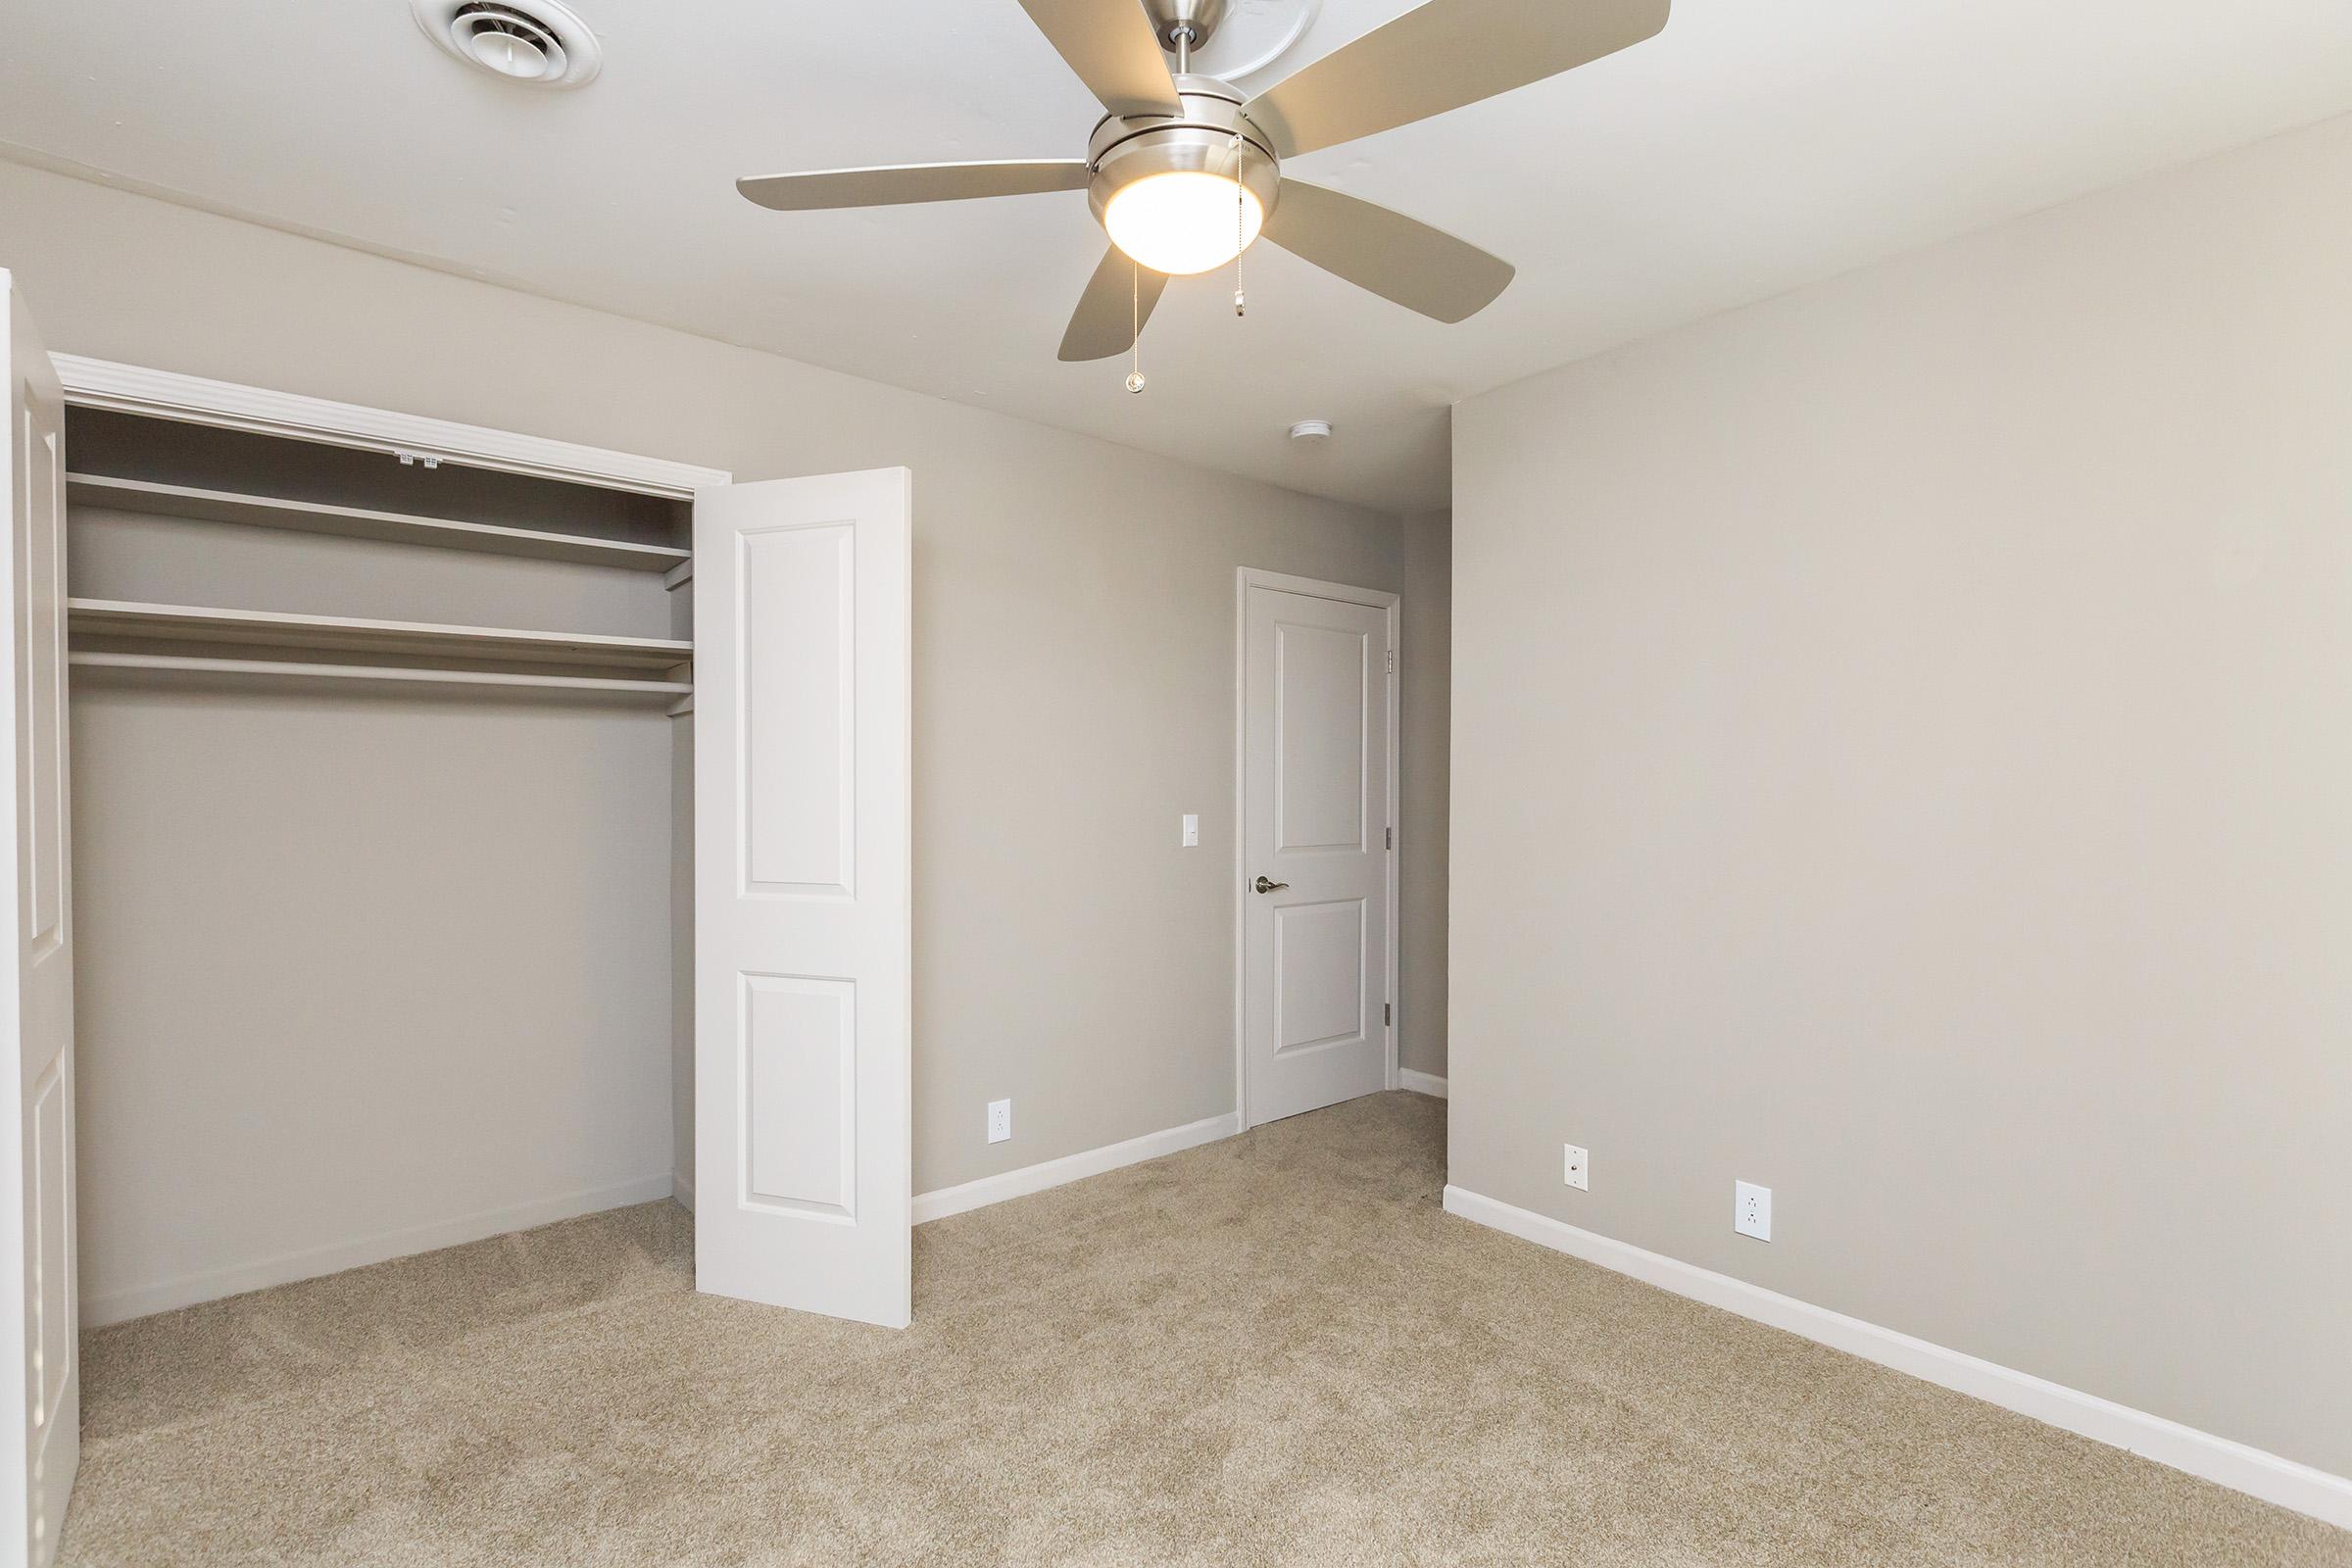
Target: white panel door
(44,1439)
(1315,851)
(803,621)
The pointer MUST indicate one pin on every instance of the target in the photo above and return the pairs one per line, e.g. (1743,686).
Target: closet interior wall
(365,966)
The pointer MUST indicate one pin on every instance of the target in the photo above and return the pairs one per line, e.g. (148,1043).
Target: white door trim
(198,400)
(1245,579)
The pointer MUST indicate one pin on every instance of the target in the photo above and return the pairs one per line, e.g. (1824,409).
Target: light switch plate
(1751,1210)
(1000,1120)
(1192,832)
(1576,1167)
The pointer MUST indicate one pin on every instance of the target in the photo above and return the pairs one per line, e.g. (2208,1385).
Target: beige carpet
(1271,1350)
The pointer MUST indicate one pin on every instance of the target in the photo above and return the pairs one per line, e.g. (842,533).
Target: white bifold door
(803,981)
(43,1431)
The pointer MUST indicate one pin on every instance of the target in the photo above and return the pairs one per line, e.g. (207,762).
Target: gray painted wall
(1073,646)
(1427,700)
(1900,758)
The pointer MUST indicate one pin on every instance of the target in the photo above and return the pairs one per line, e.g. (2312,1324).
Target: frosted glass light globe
(1184,221)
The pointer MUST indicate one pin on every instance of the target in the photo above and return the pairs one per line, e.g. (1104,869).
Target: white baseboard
(2231,1464)
(1071,1168)
(681,1187)
(139,1301)
(1421,1082)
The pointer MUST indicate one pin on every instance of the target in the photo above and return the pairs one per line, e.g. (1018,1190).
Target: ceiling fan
(1184,172)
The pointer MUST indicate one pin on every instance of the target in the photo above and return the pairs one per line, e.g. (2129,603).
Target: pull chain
(1134,326)
(1241,228)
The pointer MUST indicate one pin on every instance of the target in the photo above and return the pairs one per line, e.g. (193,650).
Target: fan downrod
(1184,26)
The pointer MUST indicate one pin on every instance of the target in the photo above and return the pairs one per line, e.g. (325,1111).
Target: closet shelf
(668,691)
(126,620)
(314,516)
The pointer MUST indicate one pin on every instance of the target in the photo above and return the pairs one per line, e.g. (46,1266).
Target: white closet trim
(170,395)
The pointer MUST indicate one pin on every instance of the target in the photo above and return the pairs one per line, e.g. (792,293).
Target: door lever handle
(1265,886)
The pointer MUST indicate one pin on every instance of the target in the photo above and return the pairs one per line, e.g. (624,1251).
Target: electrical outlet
(1000,1120)
(1751,1210)
(1576,1167)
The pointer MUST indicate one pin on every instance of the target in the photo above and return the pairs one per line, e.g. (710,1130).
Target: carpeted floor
(1274,1350)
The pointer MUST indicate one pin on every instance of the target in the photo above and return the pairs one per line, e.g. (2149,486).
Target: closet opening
(382,855)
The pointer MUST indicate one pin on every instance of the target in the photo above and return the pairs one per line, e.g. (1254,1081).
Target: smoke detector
(537,42)
(1312,431)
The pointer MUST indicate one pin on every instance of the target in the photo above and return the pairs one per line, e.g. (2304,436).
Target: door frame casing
(1245,579)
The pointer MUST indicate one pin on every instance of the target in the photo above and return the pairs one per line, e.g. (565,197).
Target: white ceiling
(1754,146)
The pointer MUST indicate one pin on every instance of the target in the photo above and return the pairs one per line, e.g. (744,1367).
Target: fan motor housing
(1202,139)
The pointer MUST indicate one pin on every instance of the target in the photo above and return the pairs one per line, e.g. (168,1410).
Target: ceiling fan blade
(1396,256)
(1117,300)
(1442,56)
(1113,47)
(911,182)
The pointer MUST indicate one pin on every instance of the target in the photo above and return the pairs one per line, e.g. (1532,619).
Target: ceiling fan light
(1184,221)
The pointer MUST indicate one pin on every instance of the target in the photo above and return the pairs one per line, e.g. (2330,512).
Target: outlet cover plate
(1000,1120)
(1751,1210)
(1576,1167)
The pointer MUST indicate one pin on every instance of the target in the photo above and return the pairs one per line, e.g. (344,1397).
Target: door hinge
(1388,1012)
(1392,838)
(1392,660)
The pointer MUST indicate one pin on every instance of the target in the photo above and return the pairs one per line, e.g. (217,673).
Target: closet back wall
(1073,678)
(358,973)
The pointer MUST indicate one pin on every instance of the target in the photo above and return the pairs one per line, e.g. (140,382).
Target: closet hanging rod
(356,522)
(128,620)
(586,685)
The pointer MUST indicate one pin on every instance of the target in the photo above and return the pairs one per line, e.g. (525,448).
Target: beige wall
(1901,758)
(1073,645)
(1427,700)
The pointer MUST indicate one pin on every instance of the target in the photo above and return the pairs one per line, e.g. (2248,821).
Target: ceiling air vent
(539,42)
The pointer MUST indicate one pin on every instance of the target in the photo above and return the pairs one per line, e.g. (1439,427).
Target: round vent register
(540,42)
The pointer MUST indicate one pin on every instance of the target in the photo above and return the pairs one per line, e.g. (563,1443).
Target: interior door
(802,622)
(1316,851)
(44,1441)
